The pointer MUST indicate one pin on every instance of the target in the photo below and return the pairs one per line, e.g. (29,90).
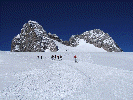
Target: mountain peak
(32,22)
(33,38)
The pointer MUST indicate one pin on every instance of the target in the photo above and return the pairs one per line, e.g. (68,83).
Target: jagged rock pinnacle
(33,38)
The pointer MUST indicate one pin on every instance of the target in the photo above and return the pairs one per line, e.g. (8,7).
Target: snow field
(107,82)
(57,82)
(24,76)
(122,60)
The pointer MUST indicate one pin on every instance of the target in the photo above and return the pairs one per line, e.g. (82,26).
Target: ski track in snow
(62,80)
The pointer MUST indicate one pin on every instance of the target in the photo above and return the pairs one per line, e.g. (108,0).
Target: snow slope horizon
(23,76)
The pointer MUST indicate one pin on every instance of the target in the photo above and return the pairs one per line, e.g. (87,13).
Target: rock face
(98,38)
(54,37)
(33,38)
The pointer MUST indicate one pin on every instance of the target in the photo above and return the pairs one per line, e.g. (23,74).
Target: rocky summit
(33,38)
(98,38)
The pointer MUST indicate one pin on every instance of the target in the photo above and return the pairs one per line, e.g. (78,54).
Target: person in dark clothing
(38,57)
(41,57)
(58,57)
(55,56)
(61,57)
(52,57)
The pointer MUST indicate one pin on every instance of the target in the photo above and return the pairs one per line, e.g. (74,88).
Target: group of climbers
(53,57)
(57,57)
(39,56)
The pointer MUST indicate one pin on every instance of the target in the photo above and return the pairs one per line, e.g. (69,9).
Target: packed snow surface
(96,76)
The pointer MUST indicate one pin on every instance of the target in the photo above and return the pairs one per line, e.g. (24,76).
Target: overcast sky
(68,18)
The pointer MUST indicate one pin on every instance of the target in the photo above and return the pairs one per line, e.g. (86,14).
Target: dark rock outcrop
(54,37)
(33,38)
(98,38)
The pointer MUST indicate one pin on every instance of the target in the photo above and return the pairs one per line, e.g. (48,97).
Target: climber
(75,58)
(58,57)
(61,57)
(52,57)
(55,56)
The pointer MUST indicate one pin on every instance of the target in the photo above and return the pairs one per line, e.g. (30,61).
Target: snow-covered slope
(25,76)
(82,47)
